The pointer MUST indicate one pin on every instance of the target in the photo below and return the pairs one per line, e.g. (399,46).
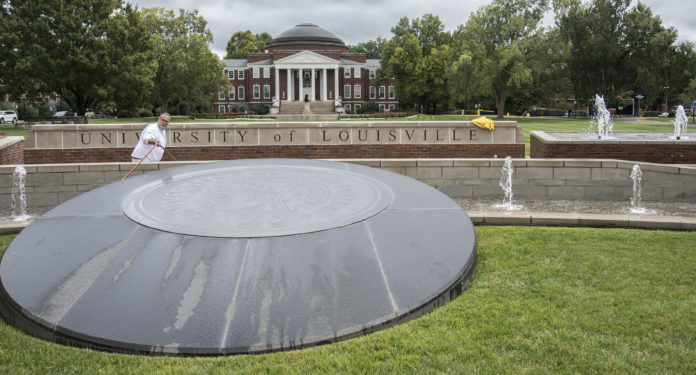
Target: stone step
(296,108)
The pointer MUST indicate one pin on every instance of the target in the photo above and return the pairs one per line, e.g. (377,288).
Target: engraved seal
(257,201)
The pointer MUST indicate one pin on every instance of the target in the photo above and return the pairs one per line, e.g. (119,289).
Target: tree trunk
(163,103)
(500,96)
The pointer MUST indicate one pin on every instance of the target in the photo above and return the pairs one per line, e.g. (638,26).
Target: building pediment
(306,58)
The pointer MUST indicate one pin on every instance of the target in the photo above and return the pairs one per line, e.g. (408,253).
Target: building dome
(306,34)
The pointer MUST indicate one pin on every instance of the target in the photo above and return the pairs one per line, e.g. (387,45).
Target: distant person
(153,135)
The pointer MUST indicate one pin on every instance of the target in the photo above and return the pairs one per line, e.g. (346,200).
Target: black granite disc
(237,257)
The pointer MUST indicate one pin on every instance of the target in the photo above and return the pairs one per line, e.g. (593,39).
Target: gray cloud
(356,21)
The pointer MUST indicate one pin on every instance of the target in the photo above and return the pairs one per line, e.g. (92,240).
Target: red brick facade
(13,154)
(654,153)
(46,156)
(331,57)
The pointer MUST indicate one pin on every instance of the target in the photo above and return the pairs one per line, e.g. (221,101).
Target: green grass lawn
(544,301)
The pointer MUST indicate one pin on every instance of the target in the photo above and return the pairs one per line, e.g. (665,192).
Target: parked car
(63,114)
(89,113)
(663,114)
(8,116)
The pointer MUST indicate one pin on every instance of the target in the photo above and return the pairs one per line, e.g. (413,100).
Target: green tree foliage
(615,48)
(417,56)
(243,42)
(186,72)
(498,49)
(68,48)
(372,49)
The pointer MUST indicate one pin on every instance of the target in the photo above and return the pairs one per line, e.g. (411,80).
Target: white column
(300,86)
(277,84)
(311,97)
(336,83)
(323,84)
(289,88)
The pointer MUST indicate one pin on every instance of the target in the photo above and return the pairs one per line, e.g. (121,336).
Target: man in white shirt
(153,135)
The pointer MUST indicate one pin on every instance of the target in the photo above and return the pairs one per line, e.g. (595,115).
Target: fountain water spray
(602,117)
(680,123)
(506,185)
(636,200)
(19,196)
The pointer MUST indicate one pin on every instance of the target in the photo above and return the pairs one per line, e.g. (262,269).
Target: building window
(346,72)
(381,107)
(373,92)
(346,91)
(221,109)
(221,93)
(346,107)
(240,74)
(356,72)
(391,92)
(230,74)
(381,92)
(230,94)
(357,106)
(240,92)
(257,92)
(230,108)
(356,92)
(392,107)
(266,91)
(255,71)
(373,73)
(266,72)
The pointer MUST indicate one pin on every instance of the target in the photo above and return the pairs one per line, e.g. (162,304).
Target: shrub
(142,112)
(124,113)
(369,107)
(259,109)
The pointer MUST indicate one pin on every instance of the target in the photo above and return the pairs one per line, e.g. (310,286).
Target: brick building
(305,63)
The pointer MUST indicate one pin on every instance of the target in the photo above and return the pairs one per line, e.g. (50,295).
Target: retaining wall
(539,179)
(544,145)
(11,150)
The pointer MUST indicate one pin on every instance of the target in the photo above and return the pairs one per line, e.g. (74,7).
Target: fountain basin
(651,147)
(127,267)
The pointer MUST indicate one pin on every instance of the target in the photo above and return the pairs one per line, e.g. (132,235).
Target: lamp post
(637,110)
(666,101)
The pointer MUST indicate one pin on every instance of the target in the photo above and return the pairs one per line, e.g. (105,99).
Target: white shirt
(155,132)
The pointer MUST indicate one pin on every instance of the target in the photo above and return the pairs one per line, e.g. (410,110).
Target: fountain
(506,185)
(602,119)
(636,199)
(680,124)
(239,256)
(654,147)
(19,196)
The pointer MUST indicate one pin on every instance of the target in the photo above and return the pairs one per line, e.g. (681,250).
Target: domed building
(305,64)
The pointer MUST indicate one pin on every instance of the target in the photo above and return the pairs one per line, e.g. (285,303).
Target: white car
(8,116)
(63,114)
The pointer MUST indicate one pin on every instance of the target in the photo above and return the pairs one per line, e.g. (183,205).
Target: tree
(243,42)
(372,49)
(67,48)
(498,48)
(186,71)
(616,48)
(417,56)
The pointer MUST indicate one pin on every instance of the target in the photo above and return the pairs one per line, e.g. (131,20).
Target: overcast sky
(355,21)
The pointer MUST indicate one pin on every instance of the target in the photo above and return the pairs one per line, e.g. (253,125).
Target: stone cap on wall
(278,133)
(639,138)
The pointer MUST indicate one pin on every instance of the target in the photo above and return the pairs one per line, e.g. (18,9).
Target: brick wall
(12,150)
(658,152)
(94,155)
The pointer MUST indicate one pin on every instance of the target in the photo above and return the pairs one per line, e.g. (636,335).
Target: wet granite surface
(237,257)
